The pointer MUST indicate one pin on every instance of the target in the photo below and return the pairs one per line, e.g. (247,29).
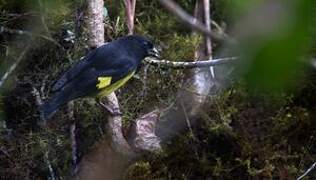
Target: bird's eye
(145,43)
(148,44)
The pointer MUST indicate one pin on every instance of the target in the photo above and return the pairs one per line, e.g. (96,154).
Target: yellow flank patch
(112,87)
(103,82)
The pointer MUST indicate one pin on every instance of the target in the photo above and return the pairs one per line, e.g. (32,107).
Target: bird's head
(143,46)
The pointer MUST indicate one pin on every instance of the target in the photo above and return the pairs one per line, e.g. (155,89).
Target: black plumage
(113,63)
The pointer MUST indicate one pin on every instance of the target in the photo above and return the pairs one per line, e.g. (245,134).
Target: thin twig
(16,14)
(50,167)
(37,95)
(194,64)
(144,91)
(308,171)
(43,85)
(13,67)
(207,19)
(70,111)
(219,28)
(73,146)
(208,40)
(187,120)
(39,101)
(23,32)
(190,127)
(187,19)
(130,14)
(43,17)
(5,153)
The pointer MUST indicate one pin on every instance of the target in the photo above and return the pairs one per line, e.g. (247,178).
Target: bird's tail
(48,108)
(47,111)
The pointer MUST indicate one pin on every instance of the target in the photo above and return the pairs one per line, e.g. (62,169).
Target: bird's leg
(114,111)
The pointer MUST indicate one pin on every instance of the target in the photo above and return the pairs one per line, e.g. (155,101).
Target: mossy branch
(188,65)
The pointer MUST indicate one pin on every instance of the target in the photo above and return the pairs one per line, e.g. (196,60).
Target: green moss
(139,170)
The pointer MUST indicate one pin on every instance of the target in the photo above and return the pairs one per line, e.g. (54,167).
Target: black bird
(101,72)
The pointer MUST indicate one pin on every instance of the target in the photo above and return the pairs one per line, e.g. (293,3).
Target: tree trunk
(104,161)
(94,23)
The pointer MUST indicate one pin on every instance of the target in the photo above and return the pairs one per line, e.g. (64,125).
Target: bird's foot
(114,111)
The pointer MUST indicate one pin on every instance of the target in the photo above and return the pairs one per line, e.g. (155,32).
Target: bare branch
(208,40)
(193,64)
(130,14)
(187,19)
(207,18)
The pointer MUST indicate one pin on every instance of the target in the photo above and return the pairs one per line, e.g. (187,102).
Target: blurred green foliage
(275,58)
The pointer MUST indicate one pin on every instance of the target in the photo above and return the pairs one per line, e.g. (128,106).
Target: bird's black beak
(154,52)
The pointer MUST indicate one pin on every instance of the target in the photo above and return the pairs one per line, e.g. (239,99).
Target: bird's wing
(118,71)
(94,78)
(74,71)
